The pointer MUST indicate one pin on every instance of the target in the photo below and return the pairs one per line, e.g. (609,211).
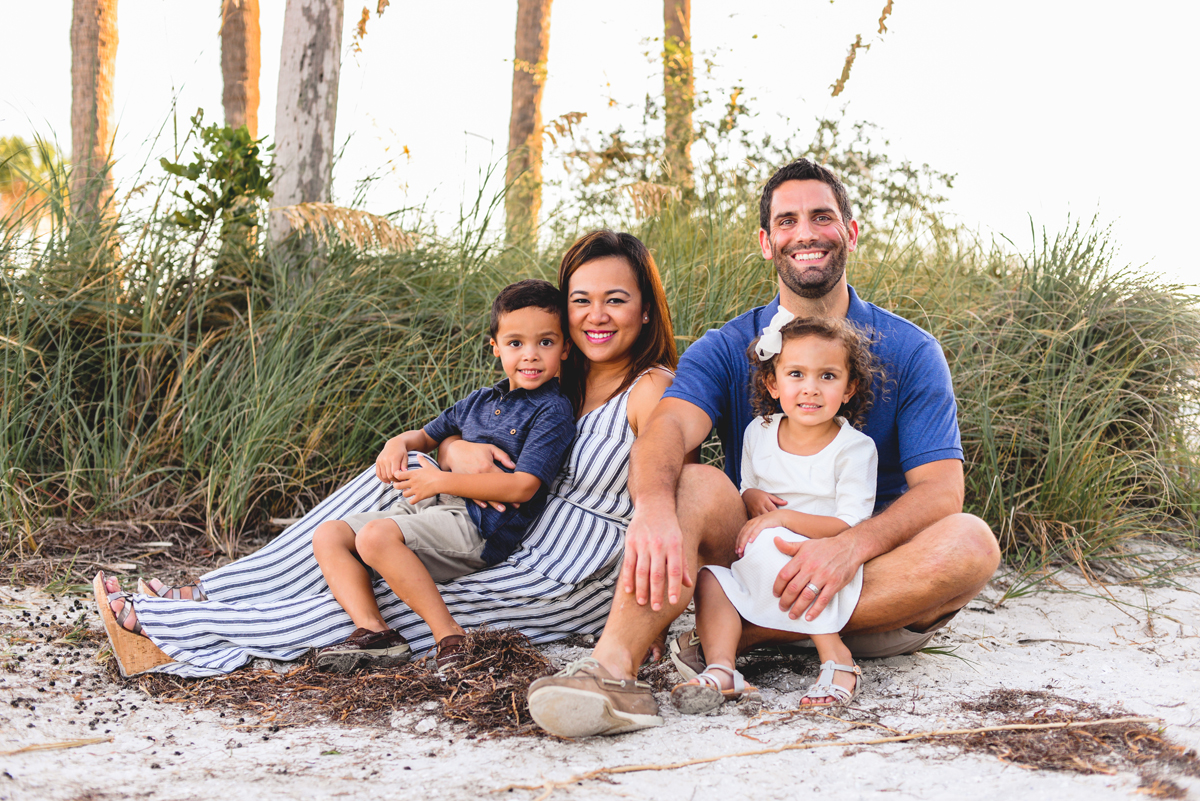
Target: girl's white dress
(839,481)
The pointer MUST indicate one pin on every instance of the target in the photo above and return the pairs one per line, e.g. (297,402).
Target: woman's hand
(459,456)
(757,525)
(759,502)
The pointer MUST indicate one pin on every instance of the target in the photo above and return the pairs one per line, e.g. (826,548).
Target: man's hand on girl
(827,564)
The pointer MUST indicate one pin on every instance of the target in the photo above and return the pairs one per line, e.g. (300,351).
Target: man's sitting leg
(913,591)
(599,694)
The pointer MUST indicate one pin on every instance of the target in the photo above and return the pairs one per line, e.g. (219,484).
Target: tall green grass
(134,389)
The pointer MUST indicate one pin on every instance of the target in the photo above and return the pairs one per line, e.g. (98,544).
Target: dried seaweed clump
(1101,749)
(486,694)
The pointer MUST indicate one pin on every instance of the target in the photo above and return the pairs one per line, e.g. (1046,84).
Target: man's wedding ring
(814,589)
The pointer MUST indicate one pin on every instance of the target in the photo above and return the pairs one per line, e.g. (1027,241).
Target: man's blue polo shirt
(535,428)
(913,421)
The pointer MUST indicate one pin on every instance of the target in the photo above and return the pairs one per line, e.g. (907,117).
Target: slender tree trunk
(678,92)
(524,175)
(93,62)
(306,109)
(241,63)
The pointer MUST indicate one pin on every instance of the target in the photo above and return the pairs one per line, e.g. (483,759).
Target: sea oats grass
(151,378)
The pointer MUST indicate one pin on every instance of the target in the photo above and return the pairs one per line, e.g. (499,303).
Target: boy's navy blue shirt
(913,421)
(535,427)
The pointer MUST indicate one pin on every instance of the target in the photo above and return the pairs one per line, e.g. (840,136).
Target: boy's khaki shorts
(438,530)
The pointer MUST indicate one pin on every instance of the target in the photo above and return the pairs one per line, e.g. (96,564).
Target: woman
(275,603)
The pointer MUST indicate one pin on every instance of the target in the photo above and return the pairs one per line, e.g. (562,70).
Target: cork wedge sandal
(134,651)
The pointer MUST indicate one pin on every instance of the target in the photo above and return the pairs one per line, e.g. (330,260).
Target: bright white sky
(1043,108)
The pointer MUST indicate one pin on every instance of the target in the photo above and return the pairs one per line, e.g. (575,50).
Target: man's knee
(961,548)
(974,542)
(710,512)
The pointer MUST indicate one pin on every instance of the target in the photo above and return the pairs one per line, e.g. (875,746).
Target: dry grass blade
(328,222)
(648,197)
(548,787)
(58,746)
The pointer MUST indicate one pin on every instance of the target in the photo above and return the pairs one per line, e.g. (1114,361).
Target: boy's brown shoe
(364,648)
(449,652)
(584,699)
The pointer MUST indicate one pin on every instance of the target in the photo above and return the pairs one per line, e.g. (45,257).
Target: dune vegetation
(164,363)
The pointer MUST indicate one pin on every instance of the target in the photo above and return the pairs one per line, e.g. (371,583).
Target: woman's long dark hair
(655,346)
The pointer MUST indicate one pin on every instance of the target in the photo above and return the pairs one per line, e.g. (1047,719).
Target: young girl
(806,473)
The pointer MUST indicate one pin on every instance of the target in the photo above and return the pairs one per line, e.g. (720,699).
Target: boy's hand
(460,456)
(392,460)
(417,485)
(759,502)
(756,526)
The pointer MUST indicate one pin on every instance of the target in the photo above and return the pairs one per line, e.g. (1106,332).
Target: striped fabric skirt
(275,604)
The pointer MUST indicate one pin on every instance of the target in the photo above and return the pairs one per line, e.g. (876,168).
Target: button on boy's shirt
(535,427)
(913,421)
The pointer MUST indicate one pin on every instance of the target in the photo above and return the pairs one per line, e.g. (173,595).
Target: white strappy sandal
(704,693)
(825,688)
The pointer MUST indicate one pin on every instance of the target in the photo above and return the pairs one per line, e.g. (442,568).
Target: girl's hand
(756,526)
(759,502)
(417,485)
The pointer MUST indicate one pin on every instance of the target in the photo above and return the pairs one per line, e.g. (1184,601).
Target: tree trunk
(93,62)
(524,174)
(306,108)
(241,63)
(678,92)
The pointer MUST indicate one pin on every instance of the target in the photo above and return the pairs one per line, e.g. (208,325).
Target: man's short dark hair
(531,292)
(803,170)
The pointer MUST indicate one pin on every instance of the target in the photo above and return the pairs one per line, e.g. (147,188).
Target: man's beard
(812,285)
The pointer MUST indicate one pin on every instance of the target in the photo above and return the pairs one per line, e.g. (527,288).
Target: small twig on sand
(549,787)
(58,746)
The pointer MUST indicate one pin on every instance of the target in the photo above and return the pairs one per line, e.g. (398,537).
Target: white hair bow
(771,341)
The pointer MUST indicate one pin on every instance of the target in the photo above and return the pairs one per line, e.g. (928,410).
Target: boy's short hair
(531,292)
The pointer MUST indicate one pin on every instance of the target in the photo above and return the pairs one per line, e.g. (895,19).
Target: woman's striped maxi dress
(275,603)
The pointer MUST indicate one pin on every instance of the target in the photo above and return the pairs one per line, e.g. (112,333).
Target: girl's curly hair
(863,365)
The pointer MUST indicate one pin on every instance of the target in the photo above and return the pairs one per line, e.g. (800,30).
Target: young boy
(433,534)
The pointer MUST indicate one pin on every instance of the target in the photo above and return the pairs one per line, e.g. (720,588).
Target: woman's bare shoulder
(659,377)
(646,394)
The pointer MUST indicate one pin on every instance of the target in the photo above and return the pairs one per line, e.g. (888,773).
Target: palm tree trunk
(93,62)
(678,92)
(524,174)
(241,63)
(306,107)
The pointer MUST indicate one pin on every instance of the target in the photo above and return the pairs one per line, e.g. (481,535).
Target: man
(923,558)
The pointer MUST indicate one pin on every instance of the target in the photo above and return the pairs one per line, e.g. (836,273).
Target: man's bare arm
(654,564)
(935,491)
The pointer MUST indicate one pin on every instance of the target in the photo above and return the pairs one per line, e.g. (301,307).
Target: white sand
(1124,648)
